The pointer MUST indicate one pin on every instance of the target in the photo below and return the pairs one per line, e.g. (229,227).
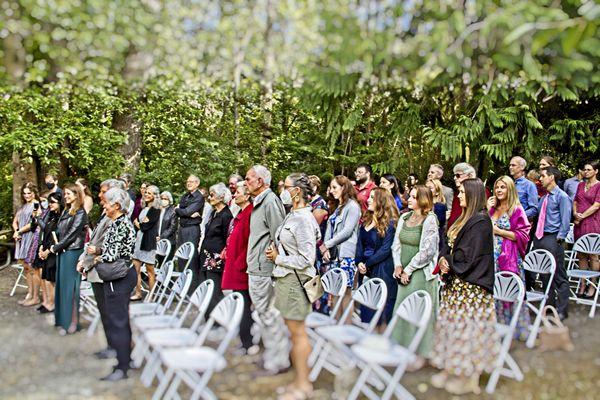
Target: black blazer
(189,204)
(71,231)
(472,256)
(150,229)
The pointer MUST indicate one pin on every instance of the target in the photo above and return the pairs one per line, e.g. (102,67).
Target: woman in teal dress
(415,251)
(71,237)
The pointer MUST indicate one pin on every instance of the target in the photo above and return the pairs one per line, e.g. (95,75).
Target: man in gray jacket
(93,249)
(267,215)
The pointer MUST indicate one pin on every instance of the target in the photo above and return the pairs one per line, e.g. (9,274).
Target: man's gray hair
(113,183)
(221,192)
(465,168)
(439,168)
(521,161)
(118,196)
(154,190)
(168,195)
(263,173)
(237,177)
(243,185)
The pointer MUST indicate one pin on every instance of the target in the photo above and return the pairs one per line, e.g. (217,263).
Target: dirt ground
(36,363)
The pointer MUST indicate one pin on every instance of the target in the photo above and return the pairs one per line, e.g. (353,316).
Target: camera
(36,206)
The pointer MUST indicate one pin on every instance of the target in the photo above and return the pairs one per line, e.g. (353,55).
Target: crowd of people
(266,245)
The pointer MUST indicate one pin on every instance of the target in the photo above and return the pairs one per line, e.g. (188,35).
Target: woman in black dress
(217,229)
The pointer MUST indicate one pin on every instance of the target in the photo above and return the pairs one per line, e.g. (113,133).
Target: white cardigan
(426,258)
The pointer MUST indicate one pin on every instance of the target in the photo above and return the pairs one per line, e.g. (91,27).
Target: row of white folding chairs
(587,244)
(178,354)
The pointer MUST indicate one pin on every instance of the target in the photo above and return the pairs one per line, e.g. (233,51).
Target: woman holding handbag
(294,256)
(113,267)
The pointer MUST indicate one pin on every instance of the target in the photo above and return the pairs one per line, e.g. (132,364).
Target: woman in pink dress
(587,219)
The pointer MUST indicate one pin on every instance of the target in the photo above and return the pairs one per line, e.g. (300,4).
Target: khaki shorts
(290,299)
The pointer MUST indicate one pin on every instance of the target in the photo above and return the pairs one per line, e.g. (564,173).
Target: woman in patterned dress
(587,219)
(511,235)
(24,242)
(466,343)
(320,211)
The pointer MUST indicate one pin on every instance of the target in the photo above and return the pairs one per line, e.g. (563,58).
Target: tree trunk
(267,79)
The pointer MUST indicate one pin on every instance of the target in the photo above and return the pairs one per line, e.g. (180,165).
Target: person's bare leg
(73,325)
(151,276)
(35,288)
(26,269)
(583,264)
(301,350)
(44,289)
(50,292)
(594,263)
(138,287)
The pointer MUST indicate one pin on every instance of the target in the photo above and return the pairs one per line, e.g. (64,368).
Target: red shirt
(457,209)
(364,194)
(234,273)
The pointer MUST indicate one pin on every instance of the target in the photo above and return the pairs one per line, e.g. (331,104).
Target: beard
(361,180)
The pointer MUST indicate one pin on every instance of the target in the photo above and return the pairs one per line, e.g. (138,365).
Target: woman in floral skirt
(466,343)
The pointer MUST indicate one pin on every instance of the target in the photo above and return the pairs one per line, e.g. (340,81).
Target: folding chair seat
(161,307)
(195,365)
(588,244)
(508,287)
(332,347)
(378,352)
(157,296)
(538,262)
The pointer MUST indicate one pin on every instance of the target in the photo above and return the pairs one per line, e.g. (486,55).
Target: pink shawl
(507,261)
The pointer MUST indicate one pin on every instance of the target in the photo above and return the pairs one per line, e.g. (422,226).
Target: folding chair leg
(395,387)
(17,284)
(151,369)
(360,382)
(593,309)
(172,391)
(315,351)
(536,326)
(514,368)
(164,383)
(93,325)
(316,370)
(201,390)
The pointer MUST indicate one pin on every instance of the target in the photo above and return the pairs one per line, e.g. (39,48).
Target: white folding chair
(195,365)
(20,276)
(163,248)
(378,352)
(185,252)
(158,293)
(171,325)
(160,307)
(538,262)
(333,344)
(88,308)
(170,317)
(588,244)
(508,287)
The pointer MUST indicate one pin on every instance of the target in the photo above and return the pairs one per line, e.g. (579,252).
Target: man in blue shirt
(528,195)
(552,229)
(572,183)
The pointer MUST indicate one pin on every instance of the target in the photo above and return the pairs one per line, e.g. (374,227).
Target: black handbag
(111,271)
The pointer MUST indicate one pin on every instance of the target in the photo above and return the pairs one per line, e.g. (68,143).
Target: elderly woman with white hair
(147,223)
(118,246)
(217,229)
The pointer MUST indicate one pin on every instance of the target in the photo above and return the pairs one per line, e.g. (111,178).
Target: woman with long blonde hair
(374,248)
(511,235)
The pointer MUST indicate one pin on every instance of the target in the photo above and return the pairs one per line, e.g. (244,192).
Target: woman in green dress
(71,237)
(415,251)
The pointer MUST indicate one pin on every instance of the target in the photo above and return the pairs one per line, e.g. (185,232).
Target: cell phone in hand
(36,206)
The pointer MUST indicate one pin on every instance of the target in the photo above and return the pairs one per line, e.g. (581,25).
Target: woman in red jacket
(234,274)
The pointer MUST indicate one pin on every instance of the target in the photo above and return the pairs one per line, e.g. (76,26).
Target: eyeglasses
(458,175)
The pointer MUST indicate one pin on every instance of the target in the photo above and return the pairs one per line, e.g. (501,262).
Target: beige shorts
(290,299)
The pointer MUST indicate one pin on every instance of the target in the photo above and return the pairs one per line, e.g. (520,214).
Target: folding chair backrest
(371,294)
(85,289)
(228,314)
(589,244)
(163,277)
(163,248)
(335,283)
(199,299)
(509,287)
(539,262)
(185,252)
(416,310)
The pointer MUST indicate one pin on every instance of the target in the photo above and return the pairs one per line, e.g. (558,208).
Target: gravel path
(36,363)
